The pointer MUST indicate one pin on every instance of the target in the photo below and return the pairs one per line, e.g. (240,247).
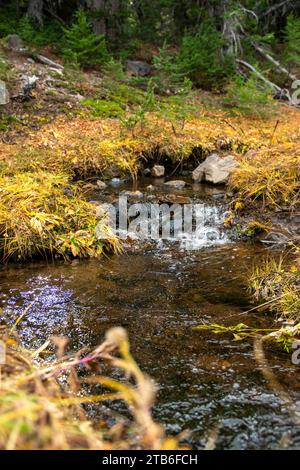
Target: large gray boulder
(4,95)
(215,169)
(14,42)
(138,68)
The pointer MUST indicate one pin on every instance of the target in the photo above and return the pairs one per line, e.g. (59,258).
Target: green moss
(6,70)
(122,93)
(104,109)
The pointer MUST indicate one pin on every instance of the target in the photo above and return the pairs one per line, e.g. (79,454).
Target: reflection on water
(158,295)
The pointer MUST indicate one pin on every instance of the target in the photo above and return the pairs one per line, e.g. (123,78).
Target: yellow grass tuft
(41,401)
(42,214)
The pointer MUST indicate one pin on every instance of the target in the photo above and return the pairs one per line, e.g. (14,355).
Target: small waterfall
(210,231)
(193,226)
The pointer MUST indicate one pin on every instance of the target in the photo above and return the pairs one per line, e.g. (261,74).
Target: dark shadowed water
(158,292)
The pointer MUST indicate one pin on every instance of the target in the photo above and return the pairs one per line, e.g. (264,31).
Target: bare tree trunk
(106,20)
(114,25)
(17,3)
(35,11)
(98,7)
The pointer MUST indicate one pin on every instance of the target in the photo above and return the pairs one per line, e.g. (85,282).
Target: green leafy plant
(104,109)
(138,116)
(200,58)
(50,34)
(292,34)
(249,97)
(83,47)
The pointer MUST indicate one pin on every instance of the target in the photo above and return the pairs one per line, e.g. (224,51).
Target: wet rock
(4,95)
(218,196)
(173,199)
(101,185)
(215,169)
(158,171)
(115,182)
(14,42)
(132,194)
(147,172)
(150,187)
(138,68)
(176,184)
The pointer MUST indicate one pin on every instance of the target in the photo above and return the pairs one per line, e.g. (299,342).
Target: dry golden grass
(41,401)
(277,282)
(271,175)
(91,144)
(42,214)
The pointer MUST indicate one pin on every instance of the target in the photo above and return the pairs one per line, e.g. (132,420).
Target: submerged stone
(176,184)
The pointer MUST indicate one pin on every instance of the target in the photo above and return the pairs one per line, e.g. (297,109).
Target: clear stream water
(159,292)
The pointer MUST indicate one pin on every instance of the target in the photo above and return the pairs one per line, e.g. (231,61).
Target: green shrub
(199,59)
(50,34)
(83,47)
(168,68)
(249,97)
(104,109)
(292,34)
(8,21)
(138,116)
(123,94)
(114,69)
(6,70)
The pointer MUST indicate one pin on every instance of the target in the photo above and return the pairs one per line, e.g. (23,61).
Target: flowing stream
(159,291)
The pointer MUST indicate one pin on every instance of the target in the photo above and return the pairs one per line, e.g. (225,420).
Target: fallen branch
(41,58)
(274,61)
(274,7)
(45,60)
(260,75)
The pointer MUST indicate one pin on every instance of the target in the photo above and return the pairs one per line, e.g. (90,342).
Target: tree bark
(106,21)
(99,22)
(35,11)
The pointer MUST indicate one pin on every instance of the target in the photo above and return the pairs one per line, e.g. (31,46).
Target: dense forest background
(201,40)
